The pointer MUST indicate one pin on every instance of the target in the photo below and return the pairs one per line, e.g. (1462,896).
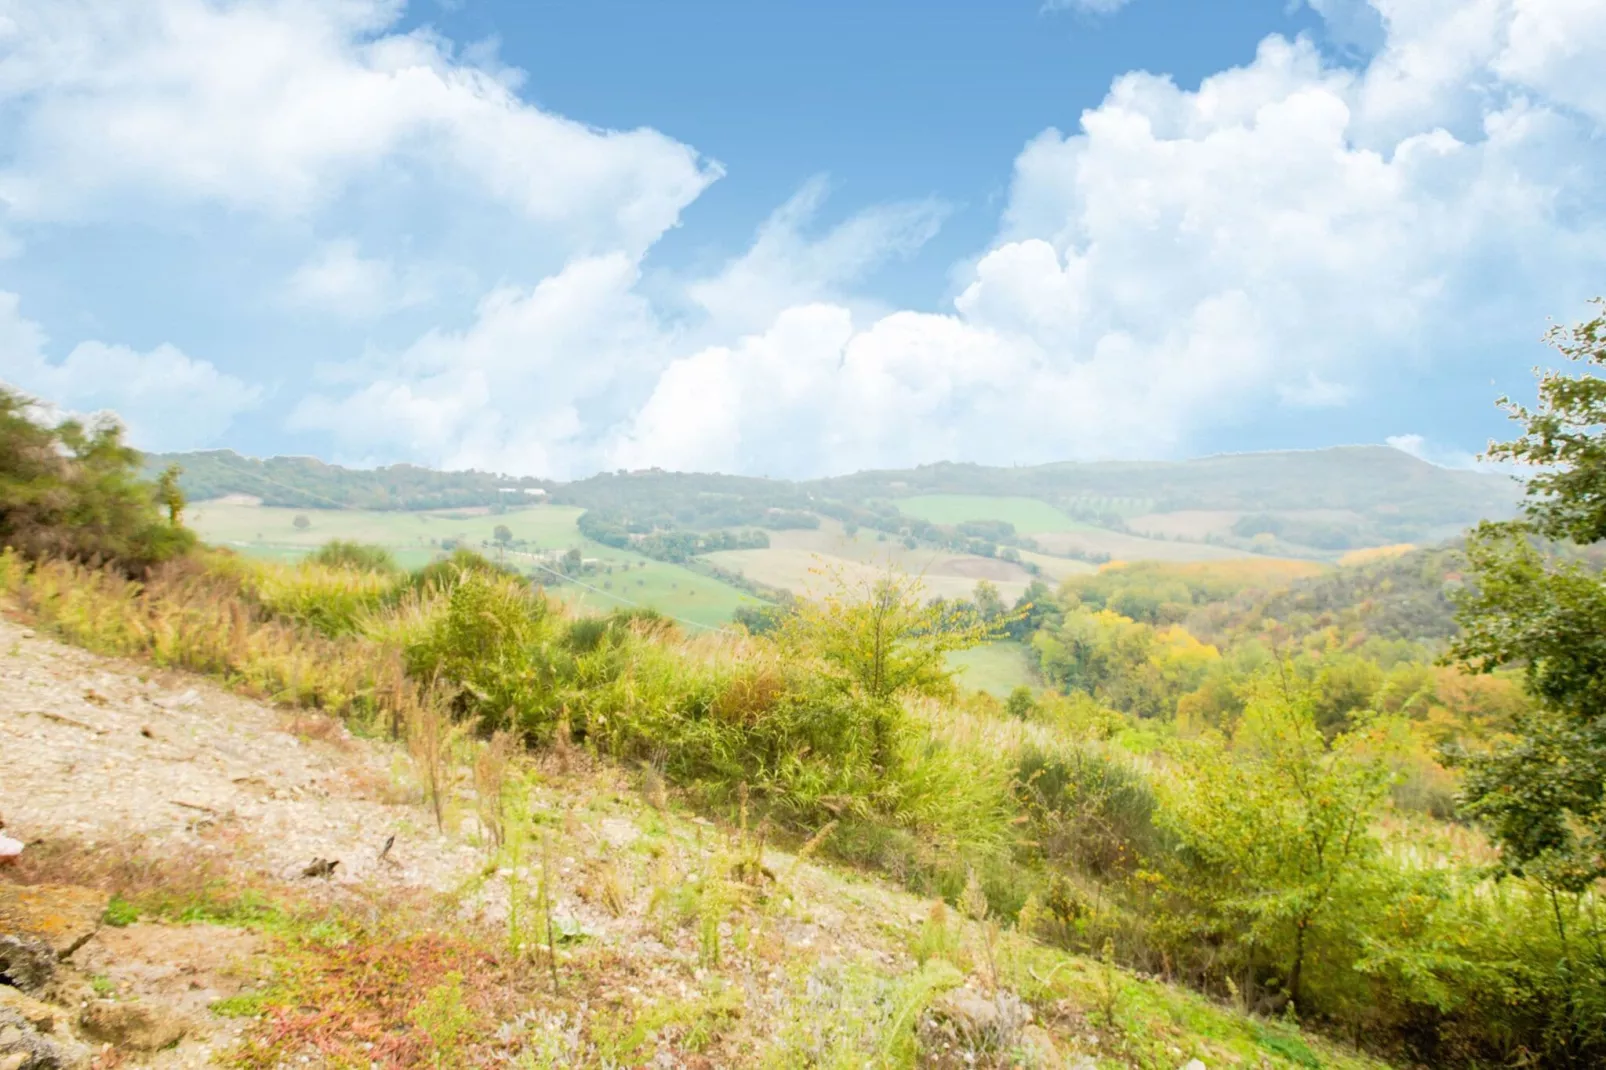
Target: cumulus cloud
(1284,237)
(280,105)
(785,267)
(1280,235)
(519,390)
(146,390)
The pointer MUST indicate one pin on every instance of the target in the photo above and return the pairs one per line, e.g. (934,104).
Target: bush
(73,491)
(360,557)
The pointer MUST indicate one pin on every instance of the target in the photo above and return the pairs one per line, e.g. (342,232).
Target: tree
(301,523)
(988,602)
(73,490)
(169,494)
(502,534)
(879,643)
(1278,827)
(1543,795)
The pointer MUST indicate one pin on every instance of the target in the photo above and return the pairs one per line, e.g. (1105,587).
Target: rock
(132,1025)
(23,1048)
(26,963)
(41,1016)
(60,915)
(9,849)
(1194,1064)
(41,925)
(976,1023)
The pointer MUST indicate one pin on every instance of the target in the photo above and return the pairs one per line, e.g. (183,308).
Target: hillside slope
(609,929)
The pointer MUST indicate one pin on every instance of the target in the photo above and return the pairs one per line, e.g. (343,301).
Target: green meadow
(622,577)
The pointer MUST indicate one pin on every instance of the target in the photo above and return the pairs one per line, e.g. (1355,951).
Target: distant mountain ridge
(1375,493)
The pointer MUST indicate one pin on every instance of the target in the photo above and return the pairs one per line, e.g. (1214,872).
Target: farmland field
(800,561)
(1029,515)
(1122,547)
(625,578)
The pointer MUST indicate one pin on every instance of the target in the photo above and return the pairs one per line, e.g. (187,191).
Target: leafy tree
(879,643)
(73,490)
(988,601)
(301,523)
(502,534)
(169,494)
(1544,795)
(1278,827)
(879,640)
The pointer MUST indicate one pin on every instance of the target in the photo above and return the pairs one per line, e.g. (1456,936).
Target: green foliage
(1279,830)
(73,491)
(1565,439)
(349,554)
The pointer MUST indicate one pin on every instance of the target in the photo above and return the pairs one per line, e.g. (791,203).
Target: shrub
(360,557)
(73,491)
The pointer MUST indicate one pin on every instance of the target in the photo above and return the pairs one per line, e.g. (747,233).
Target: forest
(1369,800)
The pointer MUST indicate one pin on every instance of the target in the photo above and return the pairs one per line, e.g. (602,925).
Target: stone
(978,1023)
(60,915)
(132,1025)
(26,963)
(41,1016)
(23,1048)
(1194,1064)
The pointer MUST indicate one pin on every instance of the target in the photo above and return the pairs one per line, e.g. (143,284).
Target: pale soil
(98,749)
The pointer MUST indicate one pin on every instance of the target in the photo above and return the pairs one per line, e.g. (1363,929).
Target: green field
(624,578)
(1029,515)
(997,668)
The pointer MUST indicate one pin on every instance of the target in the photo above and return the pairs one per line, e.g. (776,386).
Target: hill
(308,483)
(954,524)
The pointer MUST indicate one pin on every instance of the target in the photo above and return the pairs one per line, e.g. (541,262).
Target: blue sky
(794,238)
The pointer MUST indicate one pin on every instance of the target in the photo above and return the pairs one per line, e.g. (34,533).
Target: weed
(120,912)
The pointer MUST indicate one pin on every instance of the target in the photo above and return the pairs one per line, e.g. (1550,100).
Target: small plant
(1109,993)
(490,784)
(444,1018)
(120,912)
(431,739)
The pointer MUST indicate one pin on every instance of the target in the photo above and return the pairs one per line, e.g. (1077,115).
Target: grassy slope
(270,532)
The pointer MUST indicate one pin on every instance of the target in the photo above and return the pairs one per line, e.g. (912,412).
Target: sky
(792,238)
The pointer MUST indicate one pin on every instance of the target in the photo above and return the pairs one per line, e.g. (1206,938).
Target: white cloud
(280,105)
(146,390)
(1283,237)
(519,389)
(337,279)
(785,267)
(1189,258)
